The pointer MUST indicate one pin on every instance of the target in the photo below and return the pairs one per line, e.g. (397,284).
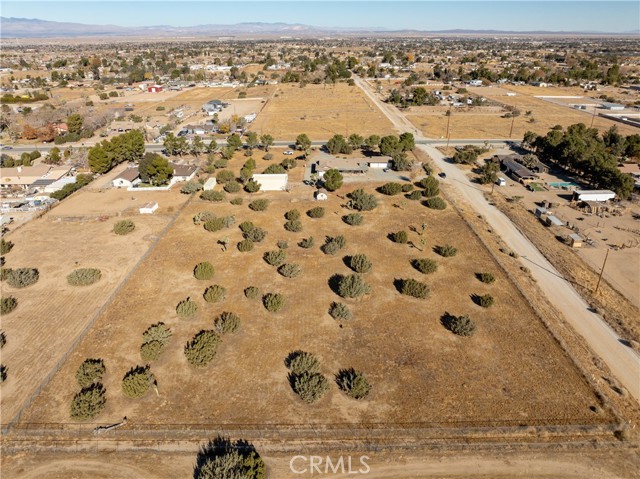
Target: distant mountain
(34,28)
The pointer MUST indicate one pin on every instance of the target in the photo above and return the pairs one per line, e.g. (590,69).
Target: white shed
(148,208)
(278,182)
(209,184)
(380,163)
(321,195)
(593,195)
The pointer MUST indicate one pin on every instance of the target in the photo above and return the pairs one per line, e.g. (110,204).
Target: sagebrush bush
(446,251)
(484,300)
(292,215)
(227,322)
(390,189)
(252,292)
(204,271)
(124,227)
(215,293)
(399,237)
(361,201)
(22,277)
(282,244)
(212,195)
(435,203)
(252,186)
(203,217)
(275,257)
(151,350)
(90,371)
(89,402)
(157,332)
(353,219)
(187,308)
(7,304)
(273,302)
(215,224)
(310,386)
(225,176)
(84,276)
(359,263)
(333,244)
(4,273)
(256,235)
(245,245)
(290,270)
(486,278)
(352,286)
(191,187)
(236,201)
(353,383)
(5,246)
(137,382)
(246,226)
(259,205)
(307,243)
(302,362)
(340,311)
(424,265)
(415,195)
(317,212)
(294,226)
(430,186)
(460,325)
(202,348)
(416,289)
(232,187)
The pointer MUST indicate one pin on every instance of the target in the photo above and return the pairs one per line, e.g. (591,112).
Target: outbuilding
(209,184)
(321,195)
(613,106)
(575,240)
(149,208)
(553,221)
(593,195)
(276,182)
(380,163)
(154,89)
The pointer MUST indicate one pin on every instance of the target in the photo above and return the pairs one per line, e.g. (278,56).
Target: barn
(593,195)
(278,182)
(154,88)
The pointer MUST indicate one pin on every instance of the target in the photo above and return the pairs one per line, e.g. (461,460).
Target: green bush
(151,351)
(84,276)
(211,195)
(340,311)
(486,278)
(416,289)
(447,251)
(275,257)
(290,270)
(430,186)
(292,215)
(227,323)
(310,386)
(124,227)
(232,187)
(4,273)
(186,308)
(415,195)
(245,246)
(353,219)
(353,383)
(222,458)
(307,243)
(203,217)
(246,226)
(236,201)
(22,277)
(5,246)
(390,189)
(191,187)
(222,163)
(89,402)
(215,224)
(460,325)
(300,362)
(435,203)
(274,169)
(399,237)
(256,235)
(282,244)
(252,292)
(361,201)
(294,226)
(90,372)
(214,293)
(154,341)
(225,176)
(204,271)
(484,300)
(359,263)
(137,381)
(424,265)
(252,186)
(352,286)
(317,212)
(273,302)
(202,348)
(7,304)
(333,244)
(258,205)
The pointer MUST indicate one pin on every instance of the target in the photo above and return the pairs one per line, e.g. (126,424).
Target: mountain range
(35,28)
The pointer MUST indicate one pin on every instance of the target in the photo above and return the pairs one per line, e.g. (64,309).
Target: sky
(514,15)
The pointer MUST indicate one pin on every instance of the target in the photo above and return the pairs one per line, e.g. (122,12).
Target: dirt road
(622,360)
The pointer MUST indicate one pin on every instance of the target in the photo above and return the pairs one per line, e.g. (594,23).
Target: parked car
(288,152)
(6,147)
(442,174)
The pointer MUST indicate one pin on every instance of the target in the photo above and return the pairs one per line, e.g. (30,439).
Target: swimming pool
(564,184)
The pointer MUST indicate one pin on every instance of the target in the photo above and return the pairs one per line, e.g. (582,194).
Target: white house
(127,178)
(209,184)
(148,208)
(593,195)
(278,182)
(183,172)
(475,82)
(321,195)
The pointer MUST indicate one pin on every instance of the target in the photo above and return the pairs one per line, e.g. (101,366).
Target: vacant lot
(510,372)
(321,111)
(51,314)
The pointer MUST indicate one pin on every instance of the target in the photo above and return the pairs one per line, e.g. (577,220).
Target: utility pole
(513,120)
(448,122)
(601,271)
(593,117)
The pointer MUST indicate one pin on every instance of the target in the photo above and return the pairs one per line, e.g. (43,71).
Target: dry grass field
(320,111)
(51,314)
(510,372)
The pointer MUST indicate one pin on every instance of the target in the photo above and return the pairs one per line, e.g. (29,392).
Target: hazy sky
(577,15)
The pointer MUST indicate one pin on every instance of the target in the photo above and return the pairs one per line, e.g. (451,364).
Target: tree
(340,311)
(390,145)
(310,386)
(252,140)
(137,382)
(489,172)
(74,123)
(466,156)
(352,286)
(155,170)
(89,402)
(372,142)
(406,141)
(303,143)
(359,263)
(353,383)
(90,372)
(99,160)
(201,350)
(204,271)
(266,141)
(361,201)
(460,325)
(355,141)
(338,144)
(234,141)
(332,179)
(223,458)
(54,157)
(212,146)
(197,146)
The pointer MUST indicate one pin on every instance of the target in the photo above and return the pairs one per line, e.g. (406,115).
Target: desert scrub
(446,251)
(486,278)
(400,237)
(215,293)
(390,189)
(84,276)
(275,257)
(227,322)
(309,386)
(359,263)
(353,383)
(435,203)
(317,212)
(232,187)
(353,219)
(307,243)
(89,402)
(340,311)
(460,325)
(352,286)
(245,246)
(294,226)
(424,265)
(211,195)
(137,382)
(5,246)
(8,304)
(124,227)
(273,302)
(90,372)
(22,277)
(154,341)
(259,205)
(202,348)
(292,215)
(300,362)
(236,201)
(204,271)
(484,300)
(186,308)
(333,244)
(290,270)
(252,292)
(416,289)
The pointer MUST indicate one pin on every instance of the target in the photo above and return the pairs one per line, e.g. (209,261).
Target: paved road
(622,360)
